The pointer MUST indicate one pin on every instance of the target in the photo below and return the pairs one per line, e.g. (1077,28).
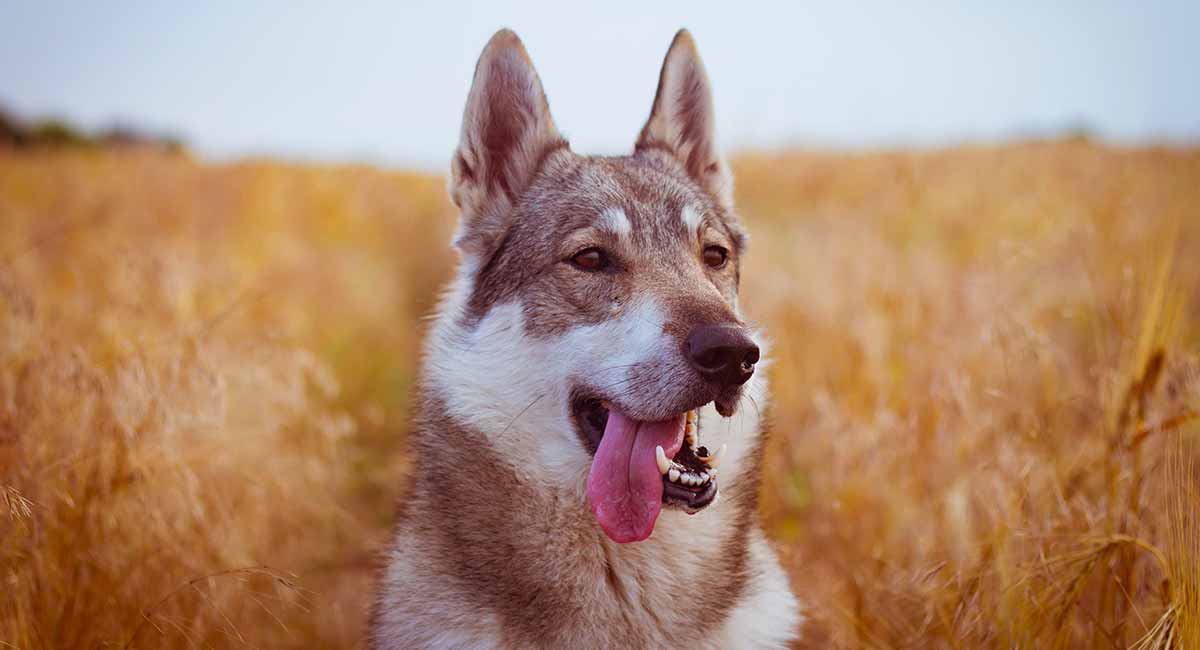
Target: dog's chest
(668,591)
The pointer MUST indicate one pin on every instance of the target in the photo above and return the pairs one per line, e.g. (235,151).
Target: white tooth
(661,457)
(685,478)
(703,478)
(693,479)
(673,475)
(714,459)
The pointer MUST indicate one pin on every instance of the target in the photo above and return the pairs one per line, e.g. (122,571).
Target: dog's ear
(682,120)
(507,131)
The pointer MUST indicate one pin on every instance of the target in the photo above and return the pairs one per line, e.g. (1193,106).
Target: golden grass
(986,388)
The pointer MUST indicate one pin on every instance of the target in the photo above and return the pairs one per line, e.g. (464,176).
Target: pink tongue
(624,486)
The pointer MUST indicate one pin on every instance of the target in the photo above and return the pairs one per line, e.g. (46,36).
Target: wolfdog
(588,374)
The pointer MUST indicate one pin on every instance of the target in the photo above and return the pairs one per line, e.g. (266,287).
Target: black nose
(723,354)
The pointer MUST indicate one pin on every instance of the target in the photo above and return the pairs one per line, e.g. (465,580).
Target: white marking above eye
(692,218)
(615,220)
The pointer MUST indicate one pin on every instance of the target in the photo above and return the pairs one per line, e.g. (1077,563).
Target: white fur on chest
(423,609)
(510,387)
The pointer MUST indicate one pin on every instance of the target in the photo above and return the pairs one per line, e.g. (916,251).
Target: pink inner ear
(507,124)
(513,114)
(507,130)
(681,120)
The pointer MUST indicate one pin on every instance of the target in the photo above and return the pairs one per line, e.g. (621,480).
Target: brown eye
(590,259)
(715,257)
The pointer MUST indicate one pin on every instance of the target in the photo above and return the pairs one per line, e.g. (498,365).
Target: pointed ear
(506,133)
(682,120)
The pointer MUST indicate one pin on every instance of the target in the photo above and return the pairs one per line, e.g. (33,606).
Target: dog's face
(596,312)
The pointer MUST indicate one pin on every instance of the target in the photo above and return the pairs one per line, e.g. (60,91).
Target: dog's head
(595,326)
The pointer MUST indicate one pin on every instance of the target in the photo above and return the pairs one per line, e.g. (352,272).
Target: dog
(586,444)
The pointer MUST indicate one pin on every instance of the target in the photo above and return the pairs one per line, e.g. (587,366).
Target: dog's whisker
(754,403)
(522,412)
(593,306)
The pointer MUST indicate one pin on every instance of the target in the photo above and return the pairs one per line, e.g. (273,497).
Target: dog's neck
(522,546)
(499,498)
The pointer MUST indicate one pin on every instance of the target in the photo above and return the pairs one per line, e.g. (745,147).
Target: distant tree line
(56,133)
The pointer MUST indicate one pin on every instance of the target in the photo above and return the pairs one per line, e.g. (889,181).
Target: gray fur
(495,545)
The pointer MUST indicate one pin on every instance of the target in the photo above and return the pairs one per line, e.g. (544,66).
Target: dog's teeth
(714,459)
(703,478)
(673,475)
(661,456)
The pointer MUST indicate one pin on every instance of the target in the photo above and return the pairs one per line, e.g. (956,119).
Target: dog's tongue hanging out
(625,487)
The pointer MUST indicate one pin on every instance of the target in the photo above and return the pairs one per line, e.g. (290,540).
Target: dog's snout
(723,354)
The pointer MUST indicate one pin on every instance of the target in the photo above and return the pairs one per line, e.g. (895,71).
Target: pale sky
(386,82)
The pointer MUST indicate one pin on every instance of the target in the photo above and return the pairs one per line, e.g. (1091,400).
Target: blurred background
(975,226)
(385,82)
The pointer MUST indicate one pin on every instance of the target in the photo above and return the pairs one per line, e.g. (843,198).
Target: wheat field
(986,392)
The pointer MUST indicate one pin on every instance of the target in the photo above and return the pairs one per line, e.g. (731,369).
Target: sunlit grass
(986,393)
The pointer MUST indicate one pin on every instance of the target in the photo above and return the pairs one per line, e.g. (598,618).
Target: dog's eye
(590,259)
(715,256)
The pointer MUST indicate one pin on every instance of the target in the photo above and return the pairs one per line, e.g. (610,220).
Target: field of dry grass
(986,393)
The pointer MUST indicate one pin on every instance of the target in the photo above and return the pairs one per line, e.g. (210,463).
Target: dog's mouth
(638,466)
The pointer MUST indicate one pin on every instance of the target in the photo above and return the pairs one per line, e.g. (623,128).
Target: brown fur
(495,544)
(481,540)
(551,222)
